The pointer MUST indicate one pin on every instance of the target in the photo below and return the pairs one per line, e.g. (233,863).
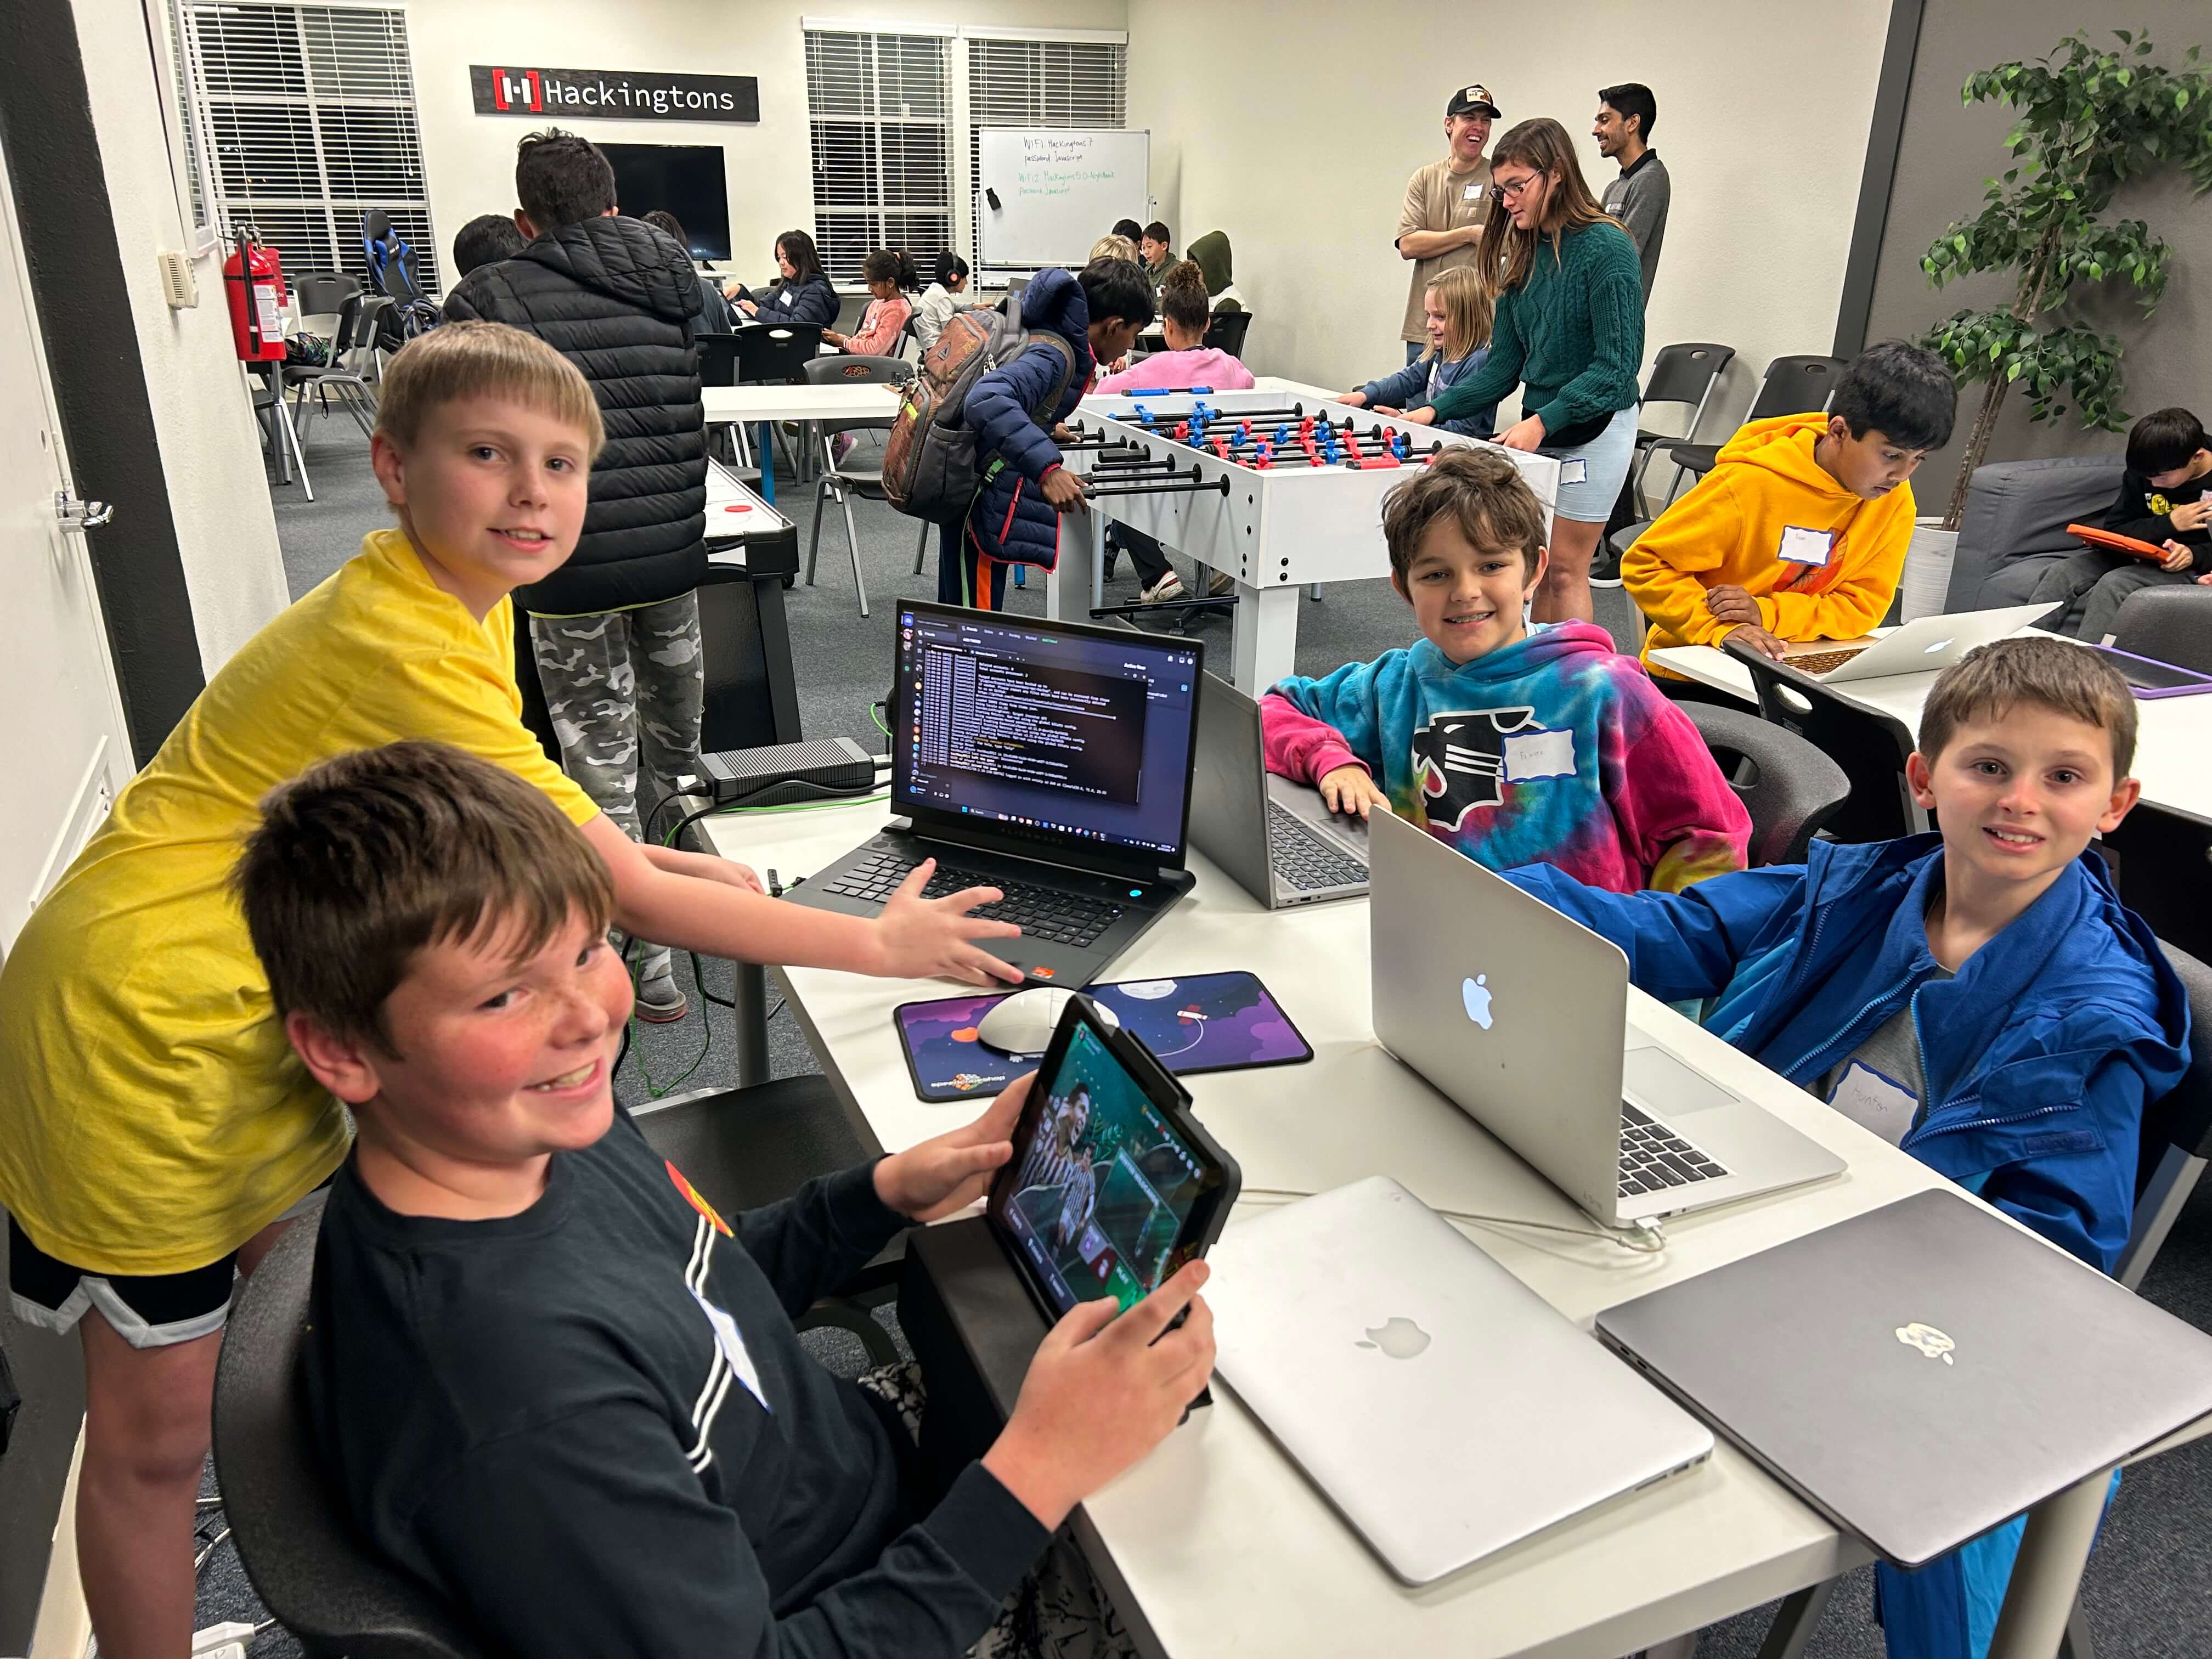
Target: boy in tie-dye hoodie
(1515,743)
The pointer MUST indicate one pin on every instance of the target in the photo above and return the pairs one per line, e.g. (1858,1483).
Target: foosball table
(1280,490)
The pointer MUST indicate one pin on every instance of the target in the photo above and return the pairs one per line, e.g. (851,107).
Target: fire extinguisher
(253,281)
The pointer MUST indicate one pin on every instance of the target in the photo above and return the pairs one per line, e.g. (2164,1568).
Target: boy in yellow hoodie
(1799,532)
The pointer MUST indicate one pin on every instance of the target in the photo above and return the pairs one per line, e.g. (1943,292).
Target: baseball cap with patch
(1472,100)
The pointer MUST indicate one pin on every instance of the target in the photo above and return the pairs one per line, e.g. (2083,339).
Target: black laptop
(1050,760)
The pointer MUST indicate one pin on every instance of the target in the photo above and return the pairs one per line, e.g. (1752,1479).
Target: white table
(1216,1543)
(745,405)
(2173,735)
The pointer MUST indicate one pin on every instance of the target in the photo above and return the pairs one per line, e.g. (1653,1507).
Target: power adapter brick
(787,774)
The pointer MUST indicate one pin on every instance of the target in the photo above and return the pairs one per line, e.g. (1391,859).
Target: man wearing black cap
(1446,203)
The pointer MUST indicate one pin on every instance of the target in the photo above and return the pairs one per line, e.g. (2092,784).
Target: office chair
(1793,386)
(842,484)
(1870,748)
(2165,861)
(2169,624)
(1684,373)
(1227,331)
(1790,788)
(302,1559)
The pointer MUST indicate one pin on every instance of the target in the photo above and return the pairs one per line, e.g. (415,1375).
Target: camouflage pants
(618,684)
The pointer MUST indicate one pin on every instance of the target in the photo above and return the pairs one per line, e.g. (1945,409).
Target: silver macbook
(1922,1372)
(1922,646)
(1520,1018)
(1273,837)
(1444,1408)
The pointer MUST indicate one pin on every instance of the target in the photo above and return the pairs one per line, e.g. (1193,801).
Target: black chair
(745,1147)
(353,352)
(2164,860)
(1227,331)
(2170,624)
(718,359)
(1870,748)
(1684,373)
(320,293)
(318,1580)
(1793,386)
(1790,788)
(841,485)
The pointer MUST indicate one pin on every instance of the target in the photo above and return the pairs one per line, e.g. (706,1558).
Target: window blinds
(880,109)
(1041,83)
(308,116)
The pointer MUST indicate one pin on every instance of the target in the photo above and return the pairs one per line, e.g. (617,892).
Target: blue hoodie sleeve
(1409,386)
(1681,946)
(998,405)
(1346,699)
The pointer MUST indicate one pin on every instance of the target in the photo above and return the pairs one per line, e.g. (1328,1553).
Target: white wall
(1296,136)
(210,449)
(470,157)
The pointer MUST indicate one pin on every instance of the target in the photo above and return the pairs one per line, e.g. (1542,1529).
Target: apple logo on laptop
(1940,644)
(1474,993)
(1400,1339)
(1930,1341)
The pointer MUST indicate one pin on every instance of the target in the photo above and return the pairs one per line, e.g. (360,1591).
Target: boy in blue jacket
(1098,312)
(1980,998)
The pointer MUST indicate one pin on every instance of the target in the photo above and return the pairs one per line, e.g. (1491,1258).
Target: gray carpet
(2150,1586)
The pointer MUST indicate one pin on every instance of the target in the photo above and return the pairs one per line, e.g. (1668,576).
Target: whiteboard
(1059,191)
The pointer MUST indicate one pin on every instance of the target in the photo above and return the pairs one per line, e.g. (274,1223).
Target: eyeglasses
(1516,188)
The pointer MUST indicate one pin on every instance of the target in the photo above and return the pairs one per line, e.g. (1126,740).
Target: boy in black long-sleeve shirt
(2162,500)
(548,1381)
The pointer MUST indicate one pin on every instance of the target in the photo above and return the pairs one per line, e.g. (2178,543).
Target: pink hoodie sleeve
(1676,811)
(879,329)
(1300,747)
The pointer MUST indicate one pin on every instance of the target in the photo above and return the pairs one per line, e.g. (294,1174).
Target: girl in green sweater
(1569,332)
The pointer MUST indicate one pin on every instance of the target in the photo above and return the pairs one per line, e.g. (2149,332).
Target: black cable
(738,805)
(653,817)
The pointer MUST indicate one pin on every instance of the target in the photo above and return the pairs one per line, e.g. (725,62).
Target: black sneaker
(1605,566)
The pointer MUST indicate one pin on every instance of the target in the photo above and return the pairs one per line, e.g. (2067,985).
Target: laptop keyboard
(1044,913)
(1653,1156)
(1819,662)
(1303,859)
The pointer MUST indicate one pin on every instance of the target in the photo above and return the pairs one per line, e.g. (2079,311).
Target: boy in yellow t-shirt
(1799,532)
(154,1125)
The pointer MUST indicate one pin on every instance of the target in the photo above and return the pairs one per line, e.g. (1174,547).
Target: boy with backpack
(972,447)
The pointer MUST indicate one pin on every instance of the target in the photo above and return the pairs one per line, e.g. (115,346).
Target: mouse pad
(1201,1023)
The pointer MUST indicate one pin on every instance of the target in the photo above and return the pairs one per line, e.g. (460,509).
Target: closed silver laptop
(1444,1408)
(1922,1372)
(1519,1016)
(1275,837)
(1923,645)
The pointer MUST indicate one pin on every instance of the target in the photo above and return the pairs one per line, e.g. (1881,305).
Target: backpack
(929,460)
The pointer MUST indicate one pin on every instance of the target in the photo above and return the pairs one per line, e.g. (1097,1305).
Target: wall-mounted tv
(684,180)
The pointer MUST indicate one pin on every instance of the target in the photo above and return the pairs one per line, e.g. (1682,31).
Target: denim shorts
(1605,460)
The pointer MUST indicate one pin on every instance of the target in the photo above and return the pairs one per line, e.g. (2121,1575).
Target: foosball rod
(1162,487)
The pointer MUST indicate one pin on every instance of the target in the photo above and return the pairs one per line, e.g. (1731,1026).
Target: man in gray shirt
(1639,196)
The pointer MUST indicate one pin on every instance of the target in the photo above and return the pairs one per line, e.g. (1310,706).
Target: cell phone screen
(1105,1187)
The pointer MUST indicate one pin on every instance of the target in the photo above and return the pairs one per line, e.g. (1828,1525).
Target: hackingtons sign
(625,95)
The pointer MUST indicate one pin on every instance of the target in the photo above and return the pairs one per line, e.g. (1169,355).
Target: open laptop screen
(1049,732)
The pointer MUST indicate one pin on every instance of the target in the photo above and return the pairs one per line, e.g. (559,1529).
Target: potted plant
(2090,120)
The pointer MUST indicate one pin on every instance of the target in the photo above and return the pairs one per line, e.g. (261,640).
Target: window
(308,117)
(879,111)
(1041,83)
(165,37)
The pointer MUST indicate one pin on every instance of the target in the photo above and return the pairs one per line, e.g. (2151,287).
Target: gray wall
(1948,151)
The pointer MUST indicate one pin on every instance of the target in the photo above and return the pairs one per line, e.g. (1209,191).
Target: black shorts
(151,1310)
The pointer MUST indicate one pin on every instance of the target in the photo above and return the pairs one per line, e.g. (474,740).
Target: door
(67,751)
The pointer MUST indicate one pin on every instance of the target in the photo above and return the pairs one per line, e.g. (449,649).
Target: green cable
(878,719)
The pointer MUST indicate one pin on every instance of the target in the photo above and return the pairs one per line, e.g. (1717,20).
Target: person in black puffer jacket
(615,631)
(803,294)
(1015,519)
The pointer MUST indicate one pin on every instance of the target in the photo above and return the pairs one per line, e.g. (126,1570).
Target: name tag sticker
(731,1342)
(1874,1101)
(1801,546)
(1574,470)
(1471,193)
(1532,755)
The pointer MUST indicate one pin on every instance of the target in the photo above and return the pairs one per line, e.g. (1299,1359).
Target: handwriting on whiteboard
(1054,166)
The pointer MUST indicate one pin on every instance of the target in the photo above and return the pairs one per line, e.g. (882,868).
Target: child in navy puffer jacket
(1098,313)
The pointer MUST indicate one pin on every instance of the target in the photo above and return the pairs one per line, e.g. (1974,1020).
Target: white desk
(748,403)
(1216,1542)
(2173,735)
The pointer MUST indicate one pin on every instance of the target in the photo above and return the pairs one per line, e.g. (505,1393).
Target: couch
(2015,524)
